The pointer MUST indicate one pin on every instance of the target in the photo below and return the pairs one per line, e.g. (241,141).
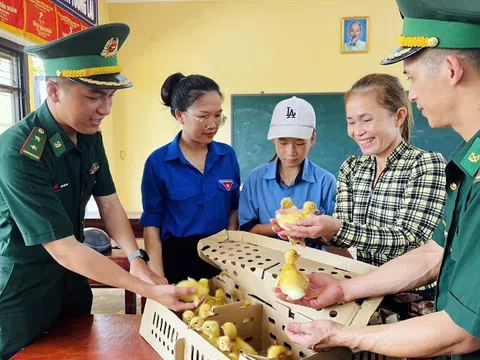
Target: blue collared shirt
(263,191)
(180,200)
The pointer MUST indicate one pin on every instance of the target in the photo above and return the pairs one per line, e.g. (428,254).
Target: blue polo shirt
(180,200)
(263,190)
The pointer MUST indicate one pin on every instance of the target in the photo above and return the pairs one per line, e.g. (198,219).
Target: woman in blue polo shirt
(190,187)
(289,174)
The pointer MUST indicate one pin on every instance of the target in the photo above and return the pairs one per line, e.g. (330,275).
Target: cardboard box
(252,264)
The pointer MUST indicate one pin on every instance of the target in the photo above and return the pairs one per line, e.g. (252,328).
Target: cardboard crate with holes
(250,266)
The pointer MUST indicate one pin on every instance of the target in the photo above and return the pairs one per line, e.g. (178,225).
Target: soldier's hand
(323,290)
(168,295)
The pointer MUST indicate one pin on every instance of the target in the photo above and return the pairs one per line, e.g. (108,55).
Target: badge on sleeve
(227,184)
(94,168)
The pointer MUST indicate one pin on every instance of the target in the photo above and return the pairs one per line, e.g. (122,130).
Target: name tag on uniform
(57,187)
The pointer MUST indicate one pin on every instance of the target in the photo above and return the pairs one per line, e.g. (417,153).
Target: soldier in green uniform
(51,162)
(440,49)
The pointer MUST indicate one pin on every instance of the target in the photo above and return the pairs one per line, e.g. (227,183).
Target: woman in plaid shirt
(389,200)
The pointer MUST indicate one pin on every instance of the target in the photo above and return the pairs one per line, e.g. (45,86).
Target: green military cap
(88,57)
(445,24)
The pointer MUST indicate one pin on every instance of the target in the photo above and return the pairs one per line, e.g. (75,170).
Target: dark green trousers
(33,297)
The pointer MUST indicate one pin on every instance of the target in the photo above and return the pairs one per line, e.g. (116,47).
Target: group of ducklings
(294,215)
(229,343)
(291,282)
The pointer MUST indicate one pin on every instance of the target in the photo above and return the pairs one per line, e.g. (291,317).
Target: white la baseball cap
(292,118)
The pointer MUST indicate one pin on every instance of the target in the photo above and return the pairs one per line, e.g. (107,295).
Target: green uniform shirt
(43,195)
(459,234)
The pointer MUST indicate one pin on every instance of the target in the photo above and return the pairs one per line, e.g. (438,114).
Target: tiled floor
(110,301)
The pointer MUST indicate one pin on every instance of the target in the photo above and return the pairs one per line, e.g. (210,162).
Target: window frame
(21,92)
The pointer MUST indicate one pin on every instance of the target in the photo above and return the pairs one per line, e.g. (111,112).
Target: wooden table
(91,337)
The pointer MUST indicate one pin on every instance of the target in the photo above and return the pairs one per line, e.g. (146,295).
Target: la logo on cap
(290,113)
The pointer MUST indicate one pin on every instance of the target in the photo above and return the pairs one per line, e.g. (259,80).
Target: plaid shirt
(397,215)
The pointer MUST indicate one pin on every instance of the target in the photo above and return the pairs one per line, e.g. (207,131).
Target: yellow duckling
(240,345)
(202,286)
(205,311)
(211,329)
(225,346)
(287,203)
(187,316)
(278,352)
(220,297)
(217,300)
(196,323)
(309,210)
(291,281)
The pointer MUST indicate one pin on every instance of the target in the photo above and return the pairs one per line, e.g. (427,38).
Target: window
(13,84)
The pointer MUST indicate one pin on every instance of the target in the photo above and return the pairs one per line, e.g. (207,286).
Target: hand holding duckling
(291,281)
(173,297)
(323,290)
(288,216)
(202,286)
(313,227)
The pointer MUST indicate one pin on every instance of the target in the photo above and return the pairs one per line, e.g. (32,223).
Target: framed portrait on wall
(355,37)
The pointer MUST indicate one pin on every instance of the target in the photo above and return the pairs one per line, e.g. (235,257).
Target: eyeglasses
(218,120)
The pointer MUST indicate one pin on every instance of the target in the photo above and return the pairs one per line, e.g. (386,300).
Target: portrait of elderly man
(353,36)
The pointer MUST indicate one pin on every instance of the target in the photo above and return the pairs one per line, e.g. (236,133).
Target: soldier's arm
(79,258)
(116,222)
(119,229)
(412,270)
(428,335)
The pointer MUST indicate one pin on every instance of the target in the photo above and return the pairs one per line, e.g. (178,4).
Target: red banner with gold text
(67,24)
(38,20)
(12,15)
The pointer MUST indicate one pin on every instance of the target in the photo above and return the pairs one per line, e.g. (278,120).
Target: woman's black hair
(179,92)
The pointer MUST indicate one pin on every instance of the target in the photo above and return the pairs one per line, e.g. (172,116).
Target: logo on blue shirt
(226,183)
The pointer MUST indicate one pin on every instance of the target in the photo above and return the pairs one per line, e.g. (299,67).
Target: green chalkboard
(251,116)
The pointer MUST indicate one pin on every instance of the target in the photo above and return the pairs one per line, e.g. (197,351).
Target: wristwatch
(138,253)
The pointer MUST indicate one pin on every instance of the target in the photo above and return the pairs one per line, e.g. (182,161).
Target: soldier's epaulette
(35,143)
(471,161)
